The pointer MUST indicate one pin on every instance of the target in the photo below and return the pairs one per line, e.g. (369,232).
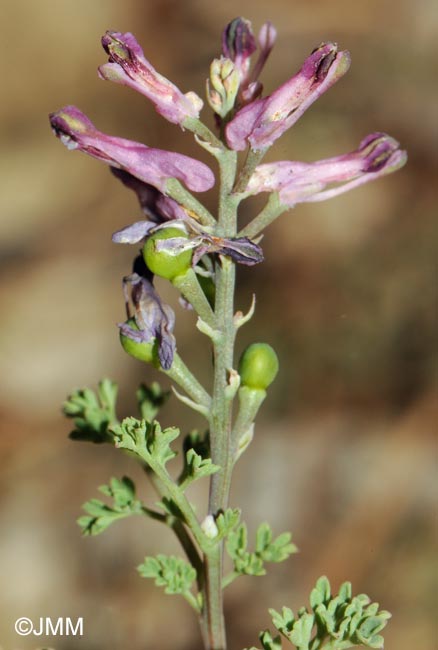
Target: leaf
(321,593)
(172,573)
(275,550)
(196,467)
(226,522)
(150,399)
(100,515)
(158,442)
(146,439)
(267,549)
(93,414)
(284,621)
(302,631)
(131,435)
(345,592)
(268,642)
(335,623)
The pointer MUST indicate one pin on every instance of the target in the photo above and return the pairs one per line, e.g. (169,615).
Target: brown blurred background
(344,453)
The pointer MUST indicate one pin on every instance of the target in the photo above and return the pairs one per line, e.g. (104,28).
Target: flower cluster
(246,121)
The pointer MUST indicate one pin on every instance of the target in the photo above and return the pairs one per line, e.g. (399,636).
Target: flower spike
(152,166)
(261,122)
(297,182)
(128,66)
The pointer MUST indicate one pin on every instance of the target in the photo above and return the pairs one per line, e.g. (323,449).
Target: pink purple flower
(128,66)
(152,166)
(261,122)
(298,182)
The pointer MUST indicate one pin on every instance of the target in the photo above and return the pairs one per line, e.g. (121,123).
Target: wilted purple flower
(152,166)
(241,249)
(238,44)
(264,120)
(297,182)
(155,320)
(129,67)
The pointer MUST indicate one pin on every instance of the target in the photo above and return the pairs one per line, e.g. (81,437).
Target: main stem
(221,406)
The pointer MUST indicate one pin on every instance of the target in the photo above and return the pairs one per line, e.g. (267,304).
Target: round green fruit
(142,351)
(166,263)
(258,366)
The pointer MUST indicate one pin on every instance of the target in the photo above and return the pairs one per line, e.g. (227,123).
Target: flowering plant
(181,241)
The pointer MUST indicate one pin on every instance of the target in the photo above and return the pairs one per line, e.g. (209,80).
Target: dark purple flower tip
(381,152)
(128,66)
(121,48)
(238,42)
(152,166)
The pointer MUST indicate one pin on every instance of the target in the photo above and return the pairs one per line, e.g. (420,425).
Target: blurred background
(343,455)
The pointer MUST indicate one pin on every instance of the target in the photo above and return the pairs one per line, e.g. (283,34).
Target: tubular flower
(128,66)
(264,120)
(152,166)
(297,182)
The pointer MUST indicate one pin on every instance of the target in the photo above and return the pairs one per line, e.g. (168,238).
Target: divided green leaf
(226,522)
(267,549)
(150,399)
(172,573)
(196,467)
(93,413)
(100,515)
(335,622)
(146,439)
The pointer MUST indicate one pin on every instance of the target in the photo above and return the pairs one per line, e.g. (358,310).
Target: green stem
(221,406)
(250,401)
(182,376)
(195,209)
(190,598)
(229,578)
(205,136)
(171,490)
(252,160)
(178,528)
(270,212)
(187,283)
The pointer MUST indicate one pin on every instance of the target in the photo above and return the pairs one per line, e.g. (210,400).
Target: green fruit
(144,351)
(166,263)
(258,366)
